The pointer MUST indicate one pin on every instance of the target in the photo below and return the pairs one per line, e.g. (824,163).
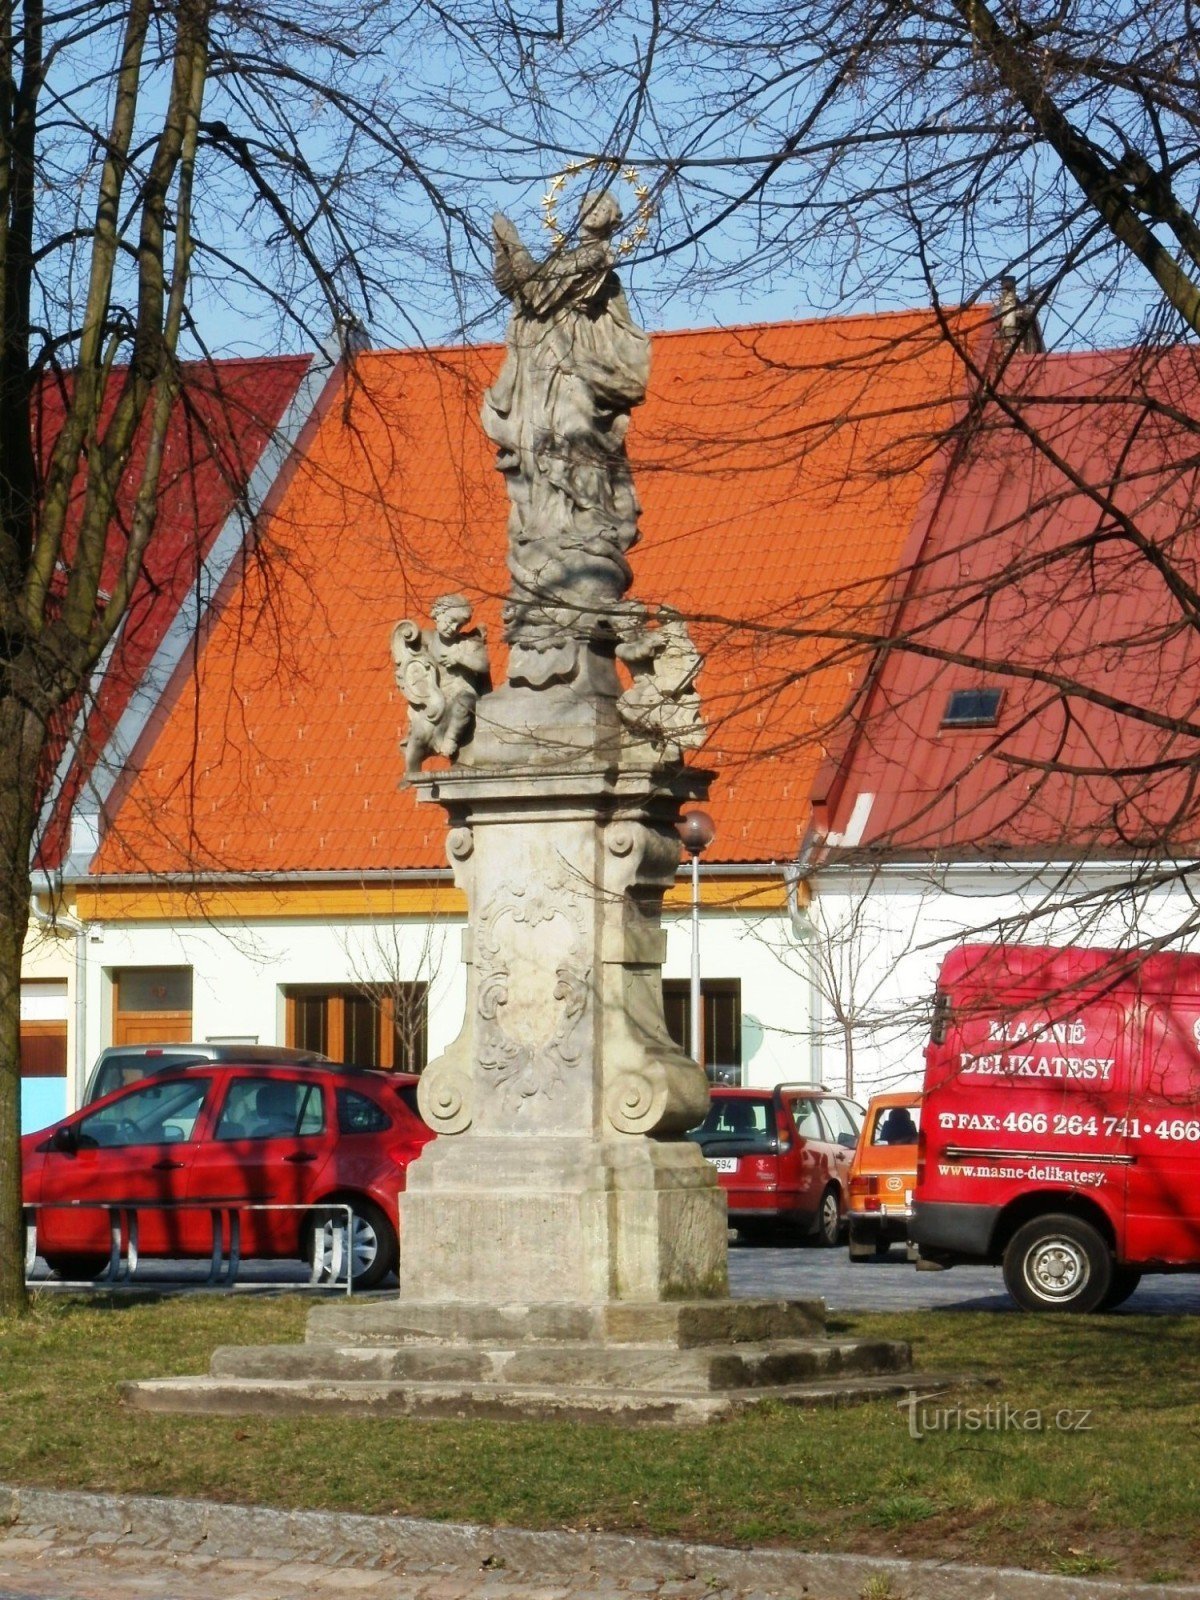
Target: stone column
(560,1173)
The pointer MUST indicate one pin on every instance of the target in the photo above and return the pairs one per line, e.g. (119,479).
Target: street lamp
(697,831)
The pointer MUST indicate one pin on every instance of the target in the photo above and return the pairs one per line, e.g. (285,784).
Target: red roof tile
(1037,587)
(779,468)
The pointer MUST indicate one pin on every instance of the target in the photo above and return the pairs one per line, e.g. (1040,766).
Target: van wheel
(1058,1263)
(1124,1281)
(829,1218)
(374,1247)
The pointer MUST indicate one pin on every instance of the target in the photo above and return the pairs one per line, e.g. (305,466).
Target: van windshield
(749,1122)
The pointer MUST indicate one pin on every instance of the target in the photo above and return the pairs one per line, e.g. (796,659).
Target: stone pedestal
(561,1173)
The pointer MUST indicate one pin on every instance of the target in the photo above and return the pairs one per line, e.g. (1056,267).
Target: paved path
(67,1546)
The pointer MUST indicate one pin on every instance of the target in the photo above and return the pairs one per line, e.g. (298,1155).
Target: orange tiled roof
(779,468)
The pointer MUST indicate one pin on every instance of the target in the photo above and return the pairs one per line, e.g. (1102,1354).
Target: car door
(135,1150)
(270,1145)
(1162,1172)
(842,1141)
(812,1145)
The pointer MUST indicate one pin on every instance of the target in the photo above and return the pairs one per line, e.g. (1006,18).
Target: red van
(1061,1127)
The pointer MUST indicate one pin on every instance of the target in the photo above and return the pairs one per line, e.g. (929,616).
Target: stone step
(326,1397)
(678,1324)
(633,1367)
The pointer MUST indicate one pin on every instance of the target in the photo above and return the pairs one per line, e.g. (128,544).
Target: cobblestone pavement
(105,1567)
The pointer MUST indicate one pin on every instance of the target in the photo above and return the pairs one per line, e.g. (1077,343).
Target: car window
(842,1127)
(357,1114)
(856,1114)
(158,1113)
(896,1125)
(271,1108)
(807,1119)
(737,1117)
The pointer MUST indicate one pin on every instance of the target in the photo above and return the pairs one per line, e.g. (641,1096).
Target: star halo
(627,243)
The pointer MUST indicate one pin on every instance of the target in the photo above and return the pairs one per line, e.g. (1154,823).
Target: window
(44,1029)
(738,1119)
(161,1113)
(721,1023)
(972,708)
(153,1005)
(896,1125)
(808,1120)
(357,1114)
(367,1027)
(271,1108)
(843,1129)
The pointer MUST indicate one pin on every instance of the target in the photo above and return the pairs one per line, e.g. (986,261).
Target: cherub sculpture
(441,672)
(660,708)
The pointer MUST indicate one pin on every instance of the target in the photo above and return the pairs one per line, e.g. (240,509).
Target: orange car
(883,1175)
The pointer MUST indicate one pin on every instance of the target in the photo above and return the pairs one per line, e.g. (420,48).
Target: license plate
(723,1163)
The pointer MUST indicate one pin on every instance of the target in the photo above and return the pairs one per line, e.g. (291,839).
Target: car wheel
(829,1218)
(883,1248)
(374,1248)
(1058,1263)
(1124,1281)
(76,1267)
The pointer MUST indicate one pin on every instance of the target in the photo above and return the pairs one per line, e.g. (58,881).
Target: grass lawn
(1119,1495)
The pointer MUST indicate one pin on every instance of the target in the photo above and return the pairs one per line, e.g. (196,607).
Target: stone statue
(441,672)
(661,707)
(558,413)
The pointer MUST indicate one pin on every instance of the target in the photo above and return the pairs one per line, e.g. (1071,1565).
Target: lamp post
(697,831)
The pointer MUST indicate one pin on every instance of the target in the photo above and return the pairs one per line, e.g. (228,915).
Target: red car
(783,1157)
(220,1133)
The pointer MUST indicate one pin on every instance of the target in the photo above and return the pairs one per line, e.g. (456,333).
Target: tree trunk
(20,747)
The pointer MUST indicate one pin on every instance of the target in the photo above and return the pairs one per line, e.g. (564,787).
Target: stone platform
(686,1362)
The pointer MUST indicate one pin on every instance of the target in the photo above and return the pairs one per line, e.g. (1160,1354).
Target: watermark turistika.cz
(925,1417)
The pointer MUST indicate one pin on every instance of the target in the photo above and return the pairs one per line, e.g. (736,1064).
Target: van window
(1173,1055)
(1074,1046)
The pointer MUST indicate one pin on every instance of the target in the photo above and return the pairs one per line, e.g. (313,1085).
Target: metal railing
(326,1266)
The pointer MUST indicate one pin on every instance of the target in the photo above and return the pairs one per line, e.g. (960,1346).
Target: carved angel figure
(661,707)
(558,413)
(441,672)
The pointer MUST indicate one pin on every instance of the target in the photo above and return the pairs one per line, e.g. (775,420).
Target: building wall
(47,998)
(240,970)
(882,938)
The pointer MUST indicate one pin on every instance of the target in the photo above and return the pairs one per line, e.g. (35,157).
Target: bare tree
(171,169)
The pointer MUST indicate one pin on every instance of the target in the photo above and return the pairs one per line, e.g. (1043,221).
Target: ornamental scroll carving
(533,986)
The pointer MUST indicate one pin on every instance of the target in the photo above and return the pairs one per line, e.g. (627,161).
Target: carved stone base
(561,1171)
(566,1219)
